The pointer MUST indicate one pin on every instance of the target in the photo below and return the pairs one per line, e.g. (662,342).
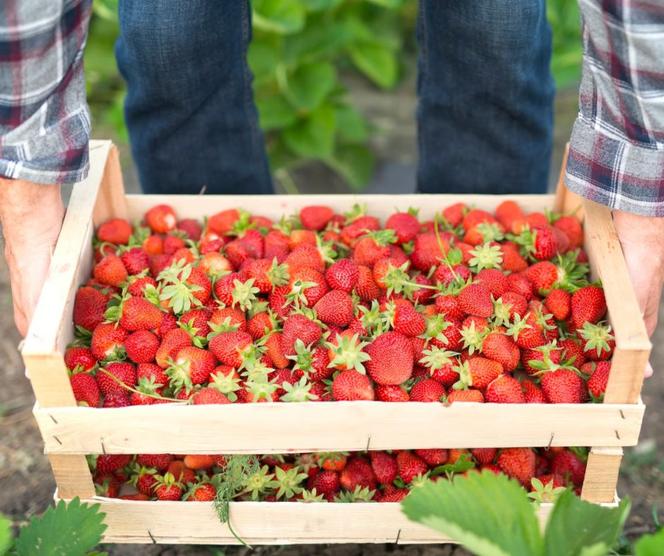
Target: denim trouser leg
(485,112)
(189,108)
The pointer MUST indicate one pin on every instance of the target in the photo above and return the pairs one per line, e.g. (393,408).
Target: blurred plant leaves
(279,16)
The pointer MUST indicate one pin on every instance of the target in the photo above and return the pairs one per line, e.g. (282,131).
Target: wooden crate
(70,432)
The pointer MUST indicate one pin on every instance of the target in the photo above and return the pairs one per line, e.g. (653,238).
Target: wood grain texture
(310,427)
(111,201)
(602,471)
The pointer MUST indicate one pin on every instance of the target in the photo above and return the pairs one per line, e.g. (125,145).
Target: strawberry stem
(135,391)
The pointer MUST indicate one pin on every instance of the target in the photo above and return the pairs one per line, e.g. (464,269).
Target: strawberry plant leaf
(278,16)
(579,527)
(5,535)
(69,528)
(508,526)
(650,545)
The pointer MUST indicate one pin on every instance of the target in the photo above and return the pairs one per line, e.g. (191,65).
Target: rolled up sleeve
(44,118)
(616,154)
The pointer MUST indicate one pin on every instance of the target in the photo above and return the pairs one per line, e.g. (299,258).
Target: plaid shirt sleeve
(616,154)
(44,118)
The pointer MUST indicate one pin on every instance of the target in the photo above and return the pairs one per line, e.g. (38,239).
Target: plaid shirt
(44,119)
(616,154)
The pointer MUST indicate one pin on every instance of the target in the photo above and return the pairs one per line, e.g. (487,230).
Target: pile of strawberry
(469,306)
(376,476)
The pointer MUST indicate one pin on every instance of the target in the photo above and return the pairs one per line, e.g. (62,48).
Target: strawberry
(266,274)
(137,285)
(391,393)
(298,326)
(571,227)
(79,358)
(391,358)
(544,243)
(342,275)
(171,343)
(394,495)
(113,376)
(518,463)
(484,456)
(310,282)
(427,390)
(181,472)
(405,226)
(85,388)
(335,308)
(135,260)
(351,385)
(572,352)
(557,303)
(315,217)
(598,379)
(410,466)
(475,299)
(427,251)
(223,222)
(481,371)
(531,392)
(141,346)
(107,341)
(543,275)
(493,280)
(500,347)
(275,352)
(366,287)
(448,305)
(139,314)
(465,395)
(358,472)
(115,230)
(455,213)
(161,219)
(588,305)
(110,271)
(191,366)
(327,483)
(191,228)
(563,386)
(433,457)
(358,227)
(504,389)
(199,461)
(89,307)
(167,488)
(110,463)
(569,466)
(384,467)
(160,462)
(407,320)
(507,212)
(202,492)
(332,461)
(230,347)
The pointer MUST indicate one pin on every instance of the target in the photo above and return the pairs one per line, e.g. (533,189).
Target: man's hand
(642,239)
(31,216)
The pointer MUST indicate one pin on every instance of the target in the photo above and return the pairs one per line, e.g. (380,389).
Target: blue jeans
(485,96)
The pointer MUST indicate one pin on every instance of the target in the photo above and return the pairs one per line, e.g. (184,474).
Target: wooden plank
(632,342)
(311,427)
(276,206)
(566,201)
(266,523)
(111,201)
(602,472)
(72,475)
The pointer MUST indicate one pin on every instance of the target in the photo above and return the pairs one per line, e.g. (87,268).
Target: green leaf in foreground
(489,514)
(578,527)
(5,535)
(650,545)
(70,529)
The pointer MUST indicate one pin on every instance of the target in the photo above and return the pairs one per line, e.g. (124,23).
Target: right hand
(31,216)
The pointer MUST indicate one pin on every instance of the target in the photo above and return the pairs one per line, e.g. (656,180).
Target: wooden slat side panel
(275,206)
(72,476)
(267,523)
(111,201)
(602,469)
(305,427)
(633,345)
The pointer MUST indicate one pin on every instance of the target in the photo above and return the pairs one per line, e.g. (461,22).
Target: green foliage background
(300,50)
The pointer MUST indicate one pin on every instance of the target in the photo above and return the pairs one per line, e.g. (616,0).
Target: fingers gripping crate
(70,432)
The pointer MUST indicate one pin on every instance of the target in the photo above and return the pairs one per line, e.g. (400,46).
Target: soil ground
(25,477)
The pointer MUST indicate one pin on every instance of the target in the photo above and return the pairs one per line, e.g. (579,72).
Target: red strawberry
(410,466)
(543,275)
(110,271)
(312,293)
(391,358)
(569,466)
(494,280)
(484,456)
(86,390)
(298,326)
(455,213)
(599,379)
(427,252)
(135,260)
(139,314)
(275,351)
(504,389)
(482,371)
(557,303)
(391,393)
(327,483)
(588,305)
(427,390)
(107,340)
(544,244)
(191,228)
(171,343)
(357,472)
(351,385)
(572,352)
(384,467)
(315,217)
(89,307)
(563,386)
(571,227)
(394,495)
(366,287)
(191,366)
(167,488)
(501,348)
(141,346)
(79,357)
(532,393)
(209,395)
(335,308)
(110,463)
(229,347)
(507,212)
(359,227)
(115,230)
(342,275)
(161,219)
(518,463)
(405,226)
(202,492)
(465,395)
(475,299)
(407,320)
(160,462)
(120,373)
(222,222)
(433,457)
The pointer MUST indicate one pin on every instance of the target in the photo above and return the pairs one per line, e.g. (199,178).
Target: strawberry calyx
(472,338)
(348,353)
(544,493)
(486,256)
(597,337)
(260,482)
(227,384)
(436,358)
(298,392)
(289,482)
(359,494)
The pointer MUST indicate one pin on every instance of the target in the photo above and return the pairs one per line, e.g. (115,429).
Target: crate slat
(602,472)
(329,426)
